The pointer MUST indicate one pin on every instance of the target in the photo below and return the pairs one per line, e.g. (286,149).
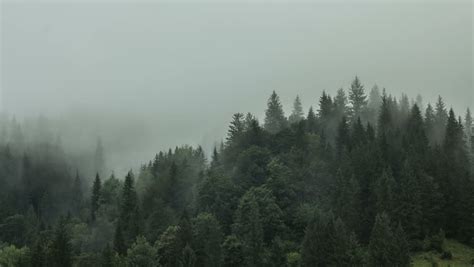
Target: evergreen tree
(402,252)
(357,98)
(374,103)
(208,238)
(326,109)
(275,119)
(77,196)
(343,137)
(297,114)
(385,193)
(233,252)
(119,242)
(248,228)
(346,200)
(236,128)
(340,102)
(129,215)
(141,254)
(311,121)
(60,252)
(95,197)
(99,158)
(430,123)
(383,249)
(440,119)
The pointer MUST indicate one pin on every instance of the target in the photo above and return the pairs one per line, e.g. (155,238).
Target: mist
(147,76)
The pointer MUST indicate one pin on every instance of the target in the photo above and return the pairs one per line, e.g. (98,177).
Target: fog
(149,76)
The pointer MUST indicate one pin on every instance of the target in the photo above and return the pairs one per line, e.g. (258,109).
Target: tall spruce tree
(95,196)
(357,98)
(60,251)
(275,119)
(297,114)
(311,121)
(129,211)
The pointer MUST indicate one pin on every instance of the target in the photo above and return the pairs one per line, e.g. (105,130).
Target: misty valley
(361,178)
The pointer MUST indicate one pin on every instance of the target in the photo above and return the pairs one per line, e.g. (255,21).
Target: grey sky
(174,73)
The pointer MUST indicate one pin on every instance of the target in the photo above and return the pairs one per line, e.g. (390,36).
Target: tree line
(359,180)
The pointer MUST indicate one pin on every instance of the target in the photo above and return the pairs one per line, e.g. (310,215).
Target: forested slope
(359,180)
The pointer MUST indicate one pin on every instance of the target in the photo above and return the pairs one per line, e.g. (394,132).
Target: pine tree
(95,197)
(343,137)
(402,252)
(382,246)
(415,141)
(340,102)
(468,128)
(248,228)
(142,254)
(385,193)
(359,137)
(61,253)
(77,196)
(275,119)
(357,98)
(409,210)
(440,120)
(129,210)
(236,128)
(346,200)
(207,236)
(297,114)
(311,121)
(119,242)
(99,158)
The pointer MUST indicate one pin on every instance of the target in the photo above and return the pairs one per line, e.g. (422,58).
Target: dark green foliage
(95,197)
(60,254)
(275,119)
(297,114)
(233,251)
(387,247)
(207,240)
(357,98)
(328,243)
(107,257)
(285,194)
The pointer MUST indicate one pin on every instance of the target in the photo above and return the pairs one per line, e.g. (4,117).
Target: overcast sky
(175,73)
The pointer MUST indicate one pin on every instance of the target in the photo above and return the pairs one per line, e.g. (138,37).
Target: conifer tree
(311,121)
(119,242)
(357,98)
(440,120)
(129,211)
(275,119)
(382,245)
(343,137)
(99,158)
(297,114)
(95,197)
(385,193)
(326,109)
(61,253)
(248,228)
(402,251)
(77,196)
(340,102)
(236,128)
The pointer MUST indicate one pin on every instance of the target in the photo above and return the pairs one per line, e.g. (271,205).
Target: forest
(362,178)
